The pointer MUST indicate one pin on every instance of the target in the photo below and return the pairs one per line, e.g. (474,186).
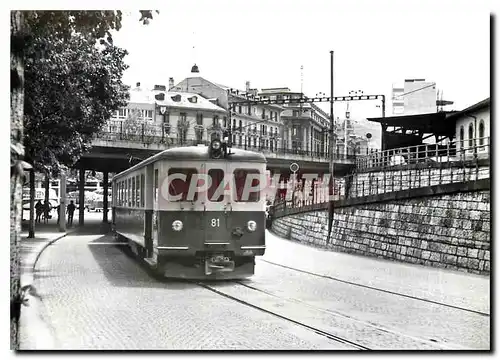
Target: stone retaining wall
(447,230)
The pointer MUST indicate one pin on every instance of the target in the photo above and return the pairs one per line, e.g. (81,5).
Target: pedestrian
(38,210)
(58,209)
(46,211)
(70,211)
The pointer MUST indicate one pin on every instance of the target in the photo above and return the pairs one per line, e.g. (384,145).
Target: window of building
(239,109)
(193,99)
(217,176)
(471,134)
(215,120)
(199,134)
(461,139)
(179,186)
(224,120)
(122,113)
(240,125)
(147,114)
(199,119)
(242,193)
(176,98)
(183,116)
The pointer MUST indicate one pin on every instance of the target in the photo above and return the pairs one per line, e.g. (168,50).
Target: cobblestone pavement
(445,286)
(421,318)
(95,297)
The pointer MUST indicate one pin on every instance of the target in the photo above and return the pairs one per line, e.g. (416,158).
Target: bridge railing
(452,151)
(470,163)
(164,135)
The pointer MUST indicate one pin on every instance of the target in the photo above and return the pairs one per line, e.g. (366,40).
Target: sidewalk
(33,333)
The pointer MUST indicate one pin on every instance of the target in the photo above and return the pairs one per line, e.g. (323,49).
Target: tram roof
(197,153)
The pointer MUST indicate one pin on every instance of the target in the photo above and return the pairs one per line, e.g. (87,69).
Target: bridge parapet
(158,137)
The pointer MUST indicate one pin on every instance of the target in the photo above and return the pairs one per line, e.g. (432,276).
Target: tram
(195,212)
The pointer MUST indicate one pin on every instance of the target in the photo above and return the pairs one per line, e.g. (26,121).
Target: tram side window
(142,190)
(179,186)
(129,190)
(137,191)
(133,191)
(217,176)
(240,178)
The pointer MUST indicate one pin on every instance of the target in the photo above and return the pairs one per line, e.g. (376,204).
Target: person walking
(58,209)
(70,211)
(38,210)
(46,211)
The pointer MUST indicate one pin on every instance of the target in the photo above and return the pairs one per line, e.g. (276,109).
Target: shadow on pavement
(123,269)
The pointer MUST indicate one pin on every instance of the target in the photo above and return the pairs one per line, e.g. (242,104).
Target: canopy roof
(440,123)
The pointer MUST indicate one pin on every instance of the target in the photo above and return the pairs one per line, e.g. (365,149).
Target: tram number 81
(215,223)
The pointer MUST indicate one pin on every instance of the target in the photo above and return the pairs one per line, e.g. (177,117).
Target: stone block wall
(447,230)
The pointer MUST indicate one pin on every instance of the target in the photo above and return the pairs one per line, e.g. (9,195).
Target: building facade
(305,124)
(416,96)
(252,126)
(178,117)
(472,126)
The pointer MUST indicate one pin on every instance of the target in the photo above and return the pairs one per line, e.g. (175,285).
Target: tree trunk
(31,234)
(16,190)
(47,187)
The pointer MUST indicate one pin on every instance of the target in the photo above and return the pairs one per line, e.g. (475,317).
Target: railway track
(311,328)
(377,289)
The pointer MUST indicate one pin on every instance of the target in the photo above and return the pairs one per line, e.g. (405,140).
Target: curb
(35,334)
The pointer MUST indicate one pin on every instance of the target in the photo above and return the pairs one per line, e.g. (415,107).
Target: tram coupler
(218,263)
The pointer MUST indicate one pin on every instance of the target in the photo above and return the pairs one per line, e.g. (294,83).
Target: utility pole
(332,149)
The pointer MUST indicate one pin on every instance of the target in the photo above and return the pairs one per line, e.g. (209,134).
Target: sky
(375,44)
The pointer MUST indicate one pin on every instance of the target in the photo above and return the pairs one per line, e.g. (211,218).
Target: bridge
(116,147)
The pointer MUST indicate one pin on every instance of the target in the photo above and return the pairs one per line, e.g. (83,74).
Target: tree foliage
(69,95)
(26,27)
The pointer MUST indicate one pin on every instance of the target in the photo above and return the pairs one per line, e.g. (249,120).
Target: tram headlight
(216,144)
(216,149)
(252,226)
(177,225)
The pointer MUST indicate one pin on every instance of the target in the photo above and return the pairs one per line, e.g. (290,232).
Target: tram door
(153,243)
(218,205)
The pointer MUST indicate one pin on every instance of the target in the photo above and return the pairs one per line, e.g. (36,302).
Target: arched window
(481,132)
(461,137)
(471,134)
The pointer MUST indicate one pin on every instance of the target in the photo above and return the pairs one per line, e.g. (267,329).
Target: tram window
(133,192)
(137,191)
(240,178)
(217,176)
(179,186)
(155,194)
(142,190)
(129,190)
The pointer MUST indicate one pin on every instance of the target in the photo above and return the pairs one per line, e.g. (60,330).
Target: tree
(25,26)
(70,94)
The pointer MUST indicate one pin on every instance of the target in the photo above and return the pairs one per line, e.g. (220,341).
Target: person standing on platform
(70,211)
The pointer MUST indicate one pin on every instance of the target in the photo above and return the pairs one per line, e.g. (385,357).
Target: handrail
(452,151)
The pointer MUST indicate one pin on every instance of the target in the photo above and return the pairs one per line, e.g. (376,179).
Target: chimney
(138,84)
(247,86)
(170,83)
